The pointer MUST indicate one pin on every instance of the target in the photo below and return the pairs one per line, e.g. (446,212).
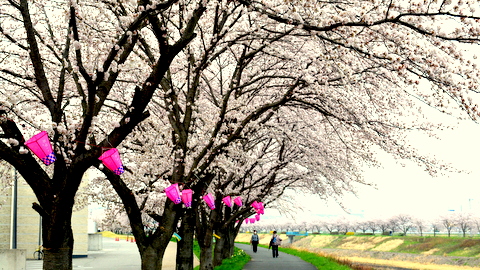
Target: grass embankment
(451,251)
(443,246)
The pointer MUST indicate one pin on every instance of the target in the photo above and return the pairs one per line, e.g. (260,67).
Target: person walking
(254,240)
(275,241)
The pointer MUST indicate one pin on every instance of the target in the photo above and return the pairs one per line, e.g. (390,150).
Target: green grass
(196,252)
(323,263)
(449,246)
(236,262)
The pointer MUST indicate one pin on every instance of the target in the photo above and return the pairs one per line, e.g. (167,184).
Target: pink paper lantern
(227,201)
(252,220)
(173,193)
(42,148)
(209,200)
(260,211)
(260,205)
(246,221)
(255,205)
(111,159)
(238,201)
(187,197)
(257,217)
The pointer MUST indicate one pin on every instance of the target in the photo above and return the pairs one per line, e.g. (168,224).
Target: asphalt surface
(118,255)
(263,259)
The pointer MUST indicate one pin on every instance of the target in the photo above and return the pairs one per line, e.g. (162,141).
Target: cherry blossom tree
(385,226)
(404,223)
(374,225)
(464,222)
(70,70)
(337,80)
(420,224)
(436,226)
(449,222)
(364,226)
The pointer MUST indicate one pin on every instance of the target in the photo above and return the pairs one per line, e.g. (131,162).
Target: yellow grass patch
(358,243)
(410,265)
(431,251)
(378,239)
(264,238)
(321,241)
(389,245)
(243,237)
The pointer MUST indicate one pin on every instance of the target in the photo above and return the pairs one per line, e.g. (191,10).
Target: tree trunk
(219,248)
(58,240)
(184,260)
(152,258)
(230,241)
(152,248)
(206,262)
(204,236)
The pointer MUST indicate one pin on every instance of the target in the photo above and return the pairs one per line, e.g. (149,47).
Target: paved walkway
(118,255)
(263,259)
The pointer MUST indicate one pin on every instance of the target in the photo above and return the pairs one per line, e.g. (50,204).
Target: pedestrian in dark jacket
(254,241)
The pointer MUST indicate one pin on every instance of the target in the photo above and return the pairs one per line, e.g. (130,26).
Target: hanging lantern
(252,220)
(227,201)
(187,197)
(255,205)
(257,217)
(246,221)
(260,211)
(42,148)
(209,200)
(111,159)
(260,205)
(173,193)
(238,201)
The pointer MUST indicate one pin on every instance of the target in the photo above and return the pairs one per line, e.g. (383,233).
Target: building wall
(28,223)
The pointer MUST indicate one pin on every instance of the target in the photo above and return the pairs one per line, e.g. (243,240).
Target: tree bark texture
(57,240)
(206,262)
(152,258)
(185,256)
(218,250)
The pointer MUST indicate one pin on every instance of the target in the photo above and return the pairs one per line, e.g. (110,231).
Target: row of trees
(463,223)
(237,98)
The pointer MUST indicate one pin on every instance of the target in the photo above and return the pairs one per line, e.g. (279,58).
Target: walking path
(263,259)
